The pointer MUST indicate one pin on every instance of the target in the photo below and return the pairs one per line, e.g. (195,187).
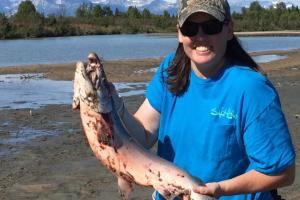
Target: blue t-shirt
(222,127)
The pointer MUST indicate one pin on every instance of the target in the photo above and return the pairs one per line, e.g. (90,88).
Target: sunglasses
(210,27)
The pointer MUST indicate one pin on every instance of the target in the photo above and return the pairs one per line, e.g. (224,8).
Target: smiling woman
(214,113)
(206,46)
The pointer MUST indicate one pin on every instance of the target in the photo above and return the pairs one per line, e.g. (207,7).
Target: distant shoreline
(245,34)
(268,33)
(174,34)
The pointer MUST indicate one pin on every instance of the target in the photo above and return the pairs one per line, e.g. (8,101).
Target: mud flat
(53,162)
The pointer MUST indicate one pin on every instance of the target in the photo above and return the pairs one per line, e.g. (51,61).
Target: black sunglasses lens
(189,29)
(212,27)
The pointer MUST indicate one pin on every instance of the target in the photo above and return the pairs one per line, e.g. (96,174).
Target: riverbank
(248,33)
(138,70)
(120,70)
(269,33)
(57,164)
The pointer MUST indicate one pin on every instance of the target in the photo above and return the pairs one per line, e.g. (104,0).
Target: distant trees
(26,9)
(27,21)
(102,20)
(258,18)
(90,10)
(4,26)
(146,14)
(96,19)
(83,11)
(97,11)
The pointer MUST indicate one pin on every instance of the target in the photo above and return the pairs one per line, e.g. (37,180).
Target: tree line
(91,19)
(258,18)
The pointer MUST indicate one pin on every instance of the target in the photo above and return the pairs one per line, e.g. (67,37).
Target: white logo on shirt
(223,112)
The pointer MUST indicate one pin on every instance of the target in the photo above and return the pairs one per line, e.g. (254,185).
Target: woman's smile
(203,49)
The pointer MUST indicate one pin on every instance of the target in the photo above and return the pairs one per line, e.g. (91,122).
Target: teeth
(202,48)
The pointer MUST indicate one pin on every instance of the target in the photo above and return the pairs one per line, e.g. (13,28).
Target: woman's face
(206,51)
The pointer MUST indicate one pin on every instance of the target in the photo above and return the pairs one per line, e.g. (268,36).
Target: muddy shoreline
(59,165)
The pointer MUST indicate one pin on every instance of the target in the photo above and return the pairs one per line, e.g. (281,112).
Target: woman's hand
(210,189)
(250,182)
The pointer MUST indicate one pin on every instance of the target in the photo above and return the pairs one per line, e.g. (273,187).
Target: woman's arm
(143,125)
(149,118)
(250,182)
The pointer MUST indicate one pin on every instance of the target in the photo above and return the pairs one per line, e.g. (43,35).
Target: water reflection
(34,92)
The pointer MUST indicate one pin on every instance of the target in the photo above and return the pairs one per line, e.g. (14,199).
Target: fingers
(202,190)
(210,189)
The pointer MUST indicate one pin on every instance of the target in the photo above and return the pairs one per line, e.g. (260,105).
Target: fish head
(92,95)
(91,88)
(83,88)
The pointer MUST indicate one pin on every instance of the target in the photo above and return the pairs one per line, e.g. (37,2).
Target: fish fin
(125,188)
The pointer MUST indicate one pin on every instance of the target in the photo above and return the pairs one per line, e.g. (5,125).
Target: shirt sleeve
(157,87)
(268,142)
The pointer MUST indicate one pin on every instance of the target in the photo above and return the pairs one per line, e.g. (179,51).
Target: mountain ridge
(68,7)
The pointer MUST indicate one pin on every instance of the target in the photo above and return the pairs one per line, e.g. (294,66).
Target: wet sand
(59,165)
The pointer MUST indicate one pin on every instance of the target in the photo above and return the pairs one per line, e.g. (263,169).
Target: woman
(214,113)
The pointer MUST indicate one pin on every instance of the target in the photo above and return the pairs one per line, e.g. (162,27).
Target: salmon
(111,143)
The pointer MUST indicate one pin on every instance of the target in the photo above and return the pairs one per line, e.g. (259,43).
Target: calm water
(112,47)
(70,49)
(35,92)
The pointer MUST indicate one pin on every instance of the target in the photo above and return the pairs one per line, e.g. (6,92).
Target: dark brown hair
(178,73)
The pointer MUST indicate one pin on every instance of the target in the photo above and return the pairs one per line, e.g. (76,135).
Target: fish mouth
(87,78)
(93,68)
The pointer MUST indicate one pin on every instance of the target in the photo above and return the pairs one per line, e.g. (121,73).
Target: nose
(200,34)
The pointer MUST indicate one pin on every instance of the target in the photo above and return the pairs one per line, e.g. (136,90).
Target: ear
(230,30)
(180,36)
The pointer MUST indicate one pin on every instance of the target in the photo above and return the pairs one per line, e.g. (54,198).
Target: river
(113,47)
